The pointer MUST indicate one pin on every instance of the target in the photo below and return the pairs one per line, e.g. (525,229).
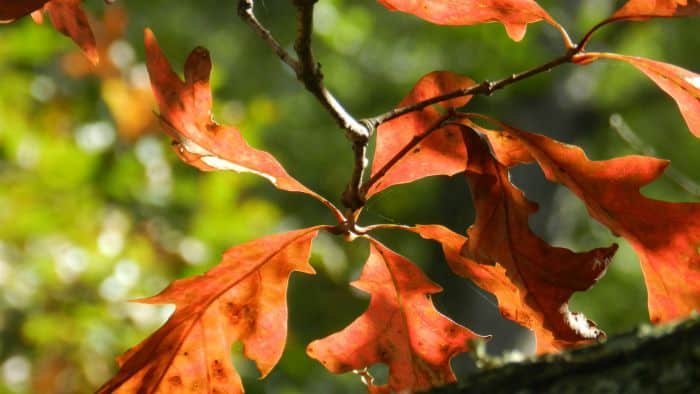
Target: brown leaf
(185,110)
(531,279)
(420,151)
(666,236)
(682,85)
(645,9)
(241,299)
(400,328)
(513,14)
(68,17)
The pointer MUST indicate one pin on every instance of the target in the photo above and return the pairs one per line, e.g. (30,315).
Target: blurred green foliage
(94,213)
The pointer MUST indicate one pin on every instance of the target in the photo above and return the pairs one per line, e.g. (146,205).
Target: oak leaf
(513,14)
(682,85)
(665,235)
(400,328)
(645,9)
(185,111)
(241,299)
(69,18)
(432,149)
(531,279)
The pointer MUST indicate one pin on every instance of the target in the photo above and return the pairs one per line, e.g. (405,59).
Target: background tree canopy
(96,210)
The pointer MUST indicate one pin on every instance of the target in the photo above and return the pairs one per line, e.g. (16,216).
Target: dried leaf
(439,152)
(400,328)
(186,115)
(68,17)
(645,9)
(531,279)
(241,299)
(666,236)
(682,85)
(513,14)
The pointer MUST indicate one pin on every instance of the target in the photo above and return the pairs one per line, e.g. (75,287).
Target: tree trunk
(661,359)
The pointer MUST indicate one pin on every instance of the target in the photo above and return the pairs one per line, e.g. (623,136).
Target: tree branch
(310,75)
(651,359)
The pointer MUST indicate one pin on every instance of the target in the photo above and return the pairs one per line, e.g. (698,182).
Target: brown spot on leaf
(219,370)
(175,380)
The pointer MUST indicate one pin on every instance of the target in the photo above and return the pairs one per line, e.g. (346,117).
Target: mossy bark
(660,359)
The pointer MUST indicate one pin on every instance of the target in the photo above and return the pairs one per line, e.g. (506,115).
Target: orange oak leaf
(185,112)
(531,279)
(241,299)
(645,9)
(414,146)
(513,14)
(665,236)
(69,18)
(13,9)
(682,85)
(400,328)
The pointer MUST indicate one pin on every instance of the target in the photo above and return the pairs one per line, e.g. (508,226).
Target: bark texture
(659,359)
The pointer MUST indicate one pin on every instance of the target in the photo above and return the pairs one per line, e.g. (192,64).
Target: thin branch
(245,12)
(487,88)
(308,71)
(310,75)
(484,88)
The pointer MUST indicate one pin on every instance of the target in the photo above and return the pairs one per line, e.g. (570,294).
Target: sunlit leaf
(241,299)
(432,152)
(682,85)
(185,111)
(666,236)
(513,14)
(400,328)
(531,279)
(644,9)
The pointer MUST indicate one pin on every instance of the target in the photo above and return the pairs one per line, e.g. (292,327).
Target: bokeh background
(96,210)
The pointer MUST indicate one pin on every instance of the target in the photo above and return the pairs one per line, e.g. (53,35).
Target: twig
(627,134)
(245,12)
(308,71)
(310,75)
(484,88)
(487,88)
